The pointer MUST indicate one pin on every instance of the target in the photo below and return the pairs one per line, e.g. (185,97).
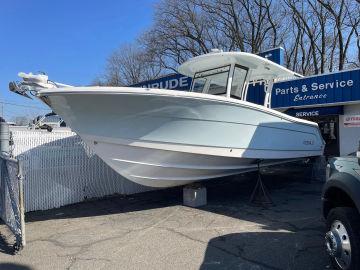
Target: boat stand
(260,194)
(194,195)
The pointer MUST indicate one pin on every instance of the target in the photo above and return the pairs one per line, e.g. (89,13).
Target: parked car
(48,122)
(341,205)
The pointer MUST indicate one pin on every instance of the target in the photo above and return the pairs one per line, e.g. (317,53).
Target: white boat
(164,138)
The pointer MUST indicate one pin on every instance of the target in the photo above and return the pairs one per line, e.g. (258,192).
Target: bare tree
(99,81)
(187,28)
(357,33)
(317,35)
(181,30)
(327,29)
(303,13)
(130,64)
(345,16)
(21,120)
(250,25)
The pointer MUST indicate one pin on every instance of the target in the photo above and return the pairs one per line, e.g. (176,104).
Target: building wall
(349,136)
(59,169)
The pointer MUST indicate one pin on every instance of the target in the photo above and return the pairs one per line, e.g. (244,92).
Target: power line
(26,106)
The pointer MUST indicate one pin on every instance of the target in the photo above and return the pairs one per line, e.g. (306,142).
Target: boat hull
(165,138)
(163,168)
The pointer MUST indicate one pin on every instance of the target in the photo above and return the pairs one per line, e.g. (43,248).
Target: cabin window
(199,85)
(238,81)
(213,81)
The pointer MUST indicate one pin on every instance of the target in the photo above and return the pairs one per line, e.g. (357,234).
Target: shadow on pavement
(264,250)
(116,204)
(5,247)
(227,192)
(14,266)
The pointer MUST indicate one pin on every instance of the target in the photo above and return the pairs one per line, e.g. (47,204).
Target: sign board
(276,55)
(173,82)
(321,89)
(317,111)
(352,120)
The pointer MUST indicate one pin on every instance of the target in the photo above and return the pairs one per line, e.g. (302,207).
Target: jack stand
(260,194)
(318,169)
(194,195)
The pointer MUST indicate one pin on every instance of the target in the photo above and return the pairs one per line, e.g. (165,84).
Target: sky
(69,40)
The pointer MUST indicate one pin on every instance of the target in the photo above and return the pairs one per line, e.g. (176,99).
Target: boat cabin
(230,73)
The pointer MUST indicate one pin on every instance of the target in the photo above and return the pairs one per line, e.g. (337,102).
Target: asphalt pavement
(154,230)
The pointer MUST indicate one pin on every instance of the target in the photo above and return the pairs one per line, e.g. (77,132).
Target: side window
(198,85)
(238,80)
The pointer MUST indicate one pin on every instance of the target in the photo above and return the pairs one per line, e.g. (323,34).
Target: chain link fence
(11,198)
(60,169)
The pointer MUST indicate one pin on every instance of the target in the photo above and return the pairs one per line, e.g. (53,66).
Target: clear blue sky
(68,39)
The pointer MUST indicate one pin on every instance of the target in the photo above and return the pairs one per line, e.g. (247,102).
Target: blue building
(332,100)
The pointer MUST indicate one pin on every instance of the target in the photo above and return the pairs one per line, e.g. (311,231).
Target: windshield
(213,81)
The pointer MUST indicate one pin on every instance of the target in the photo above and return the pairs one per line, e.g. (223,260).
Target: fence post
(21,205)
(12,210)
(4,137)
